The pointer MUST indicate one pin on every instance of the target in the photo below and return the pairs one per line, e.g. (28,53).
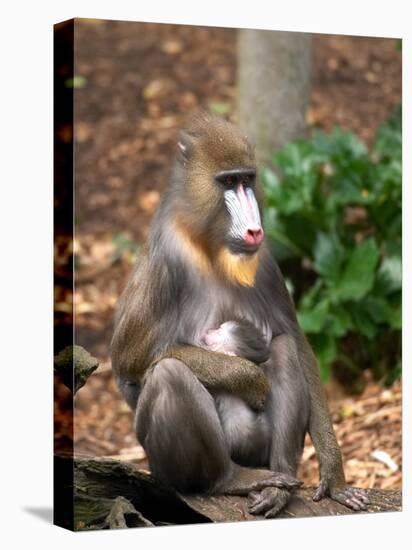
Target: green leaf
(301,232)
(345,192)
(394,374)
(395,317)
(125,247)
(313,320)
(78,81)
(270,180)
(289,286)
(310,297)
(358,274)
(220,107)
(326,351)
(389,137)
(389,276)
(328,257)
(362,321)
(123,243)
(289,200)
(282,245)
(347,145)
(377,308)
(322,143)
(340,321)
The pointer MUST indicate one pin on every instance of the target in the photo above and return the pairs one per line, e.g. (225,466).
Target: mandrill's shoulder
(267,263)
(269,277)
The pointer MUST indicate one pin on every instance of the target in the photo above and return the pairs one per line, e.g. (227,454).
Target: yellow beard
(238,269)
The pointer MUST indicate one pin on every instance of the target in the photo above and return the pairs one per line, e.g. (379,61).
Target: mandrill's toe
(353,498)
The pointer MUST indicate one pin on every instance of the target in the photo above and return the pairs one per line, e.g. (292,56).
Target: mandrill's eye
(236,176)
(248,180)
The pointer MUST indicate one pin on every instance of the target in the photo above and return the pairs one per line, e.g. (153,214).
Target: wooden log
(99,482)
(157,504)
(74,365)
(106,513)
(301,505)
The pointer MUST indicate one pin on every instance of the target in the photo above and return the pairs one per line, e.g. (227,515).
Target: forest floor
(138,83)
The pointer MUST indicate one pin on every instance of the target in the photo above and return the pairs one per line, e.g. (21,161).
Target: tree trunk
(274,87)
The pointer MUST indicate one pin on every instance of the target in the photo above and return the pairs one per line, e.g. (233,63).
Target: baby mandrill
(239,338)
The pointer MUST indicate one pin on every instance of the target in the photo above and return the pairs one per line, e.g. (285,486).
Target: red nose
(254,236)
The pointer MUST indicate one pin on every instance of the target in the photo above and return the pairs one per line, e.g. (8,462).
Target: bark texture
(109,494)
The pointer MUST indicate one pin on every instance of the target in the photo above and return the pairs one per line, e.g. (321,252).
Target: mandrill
(209,421)
(239,338)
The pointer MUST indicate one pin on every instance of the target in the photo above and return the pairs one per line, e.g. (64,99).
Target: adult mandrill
(206,263)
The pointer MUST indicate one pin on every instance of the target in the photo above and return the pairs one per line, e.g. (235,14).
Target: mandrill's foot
(246,480)
(353,498)
(269,502)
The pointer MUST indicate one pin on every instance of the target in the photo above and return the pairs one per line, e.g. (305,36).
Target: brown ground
(141,81)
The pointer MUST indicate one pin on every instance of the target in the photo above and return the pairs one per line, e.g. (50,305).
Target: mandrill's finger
(278,504)
(253,498)
(361,495)
(350,498)
(351,503)
(320,491)
(286,481)
(273,512)
(263,504)
(271,502)
(259,507)
(263,501)
(355,503)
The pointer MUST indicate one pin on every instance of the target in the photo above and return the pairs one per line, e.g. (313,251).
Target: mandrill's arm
(221,372)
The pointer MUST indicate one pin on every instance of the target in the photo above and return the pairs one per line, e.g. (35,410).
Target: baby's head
(239,338)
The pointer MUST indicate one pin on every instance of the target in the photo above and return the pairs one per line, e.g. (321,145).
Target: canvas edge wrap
(63,94)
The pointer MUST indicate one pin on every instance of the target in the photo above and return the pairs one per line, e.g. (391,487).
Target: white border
(26,267)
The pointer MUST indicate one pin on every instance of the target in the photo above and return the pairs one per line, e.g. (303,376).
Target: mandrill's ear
(185,145)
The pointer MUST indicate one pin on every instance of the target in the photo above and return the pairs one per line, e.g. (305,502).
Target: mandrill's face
(244,232)
(222,197)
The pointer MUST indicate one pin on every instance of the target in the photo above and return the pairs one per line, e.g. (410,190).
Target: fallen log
(301,505)
(108,494)
(74,365)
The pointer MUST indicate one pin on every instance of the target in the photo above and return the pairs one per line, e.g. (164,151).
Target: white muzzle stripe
(243,209)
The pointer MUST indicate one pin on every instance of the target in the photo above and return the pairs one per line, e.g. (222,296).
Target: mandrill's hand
(352,497)
(256,396)
(268,502)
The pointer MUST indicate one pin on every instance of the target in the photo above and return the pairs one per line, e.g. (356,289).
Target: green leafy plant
(333,218)
(125,247)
